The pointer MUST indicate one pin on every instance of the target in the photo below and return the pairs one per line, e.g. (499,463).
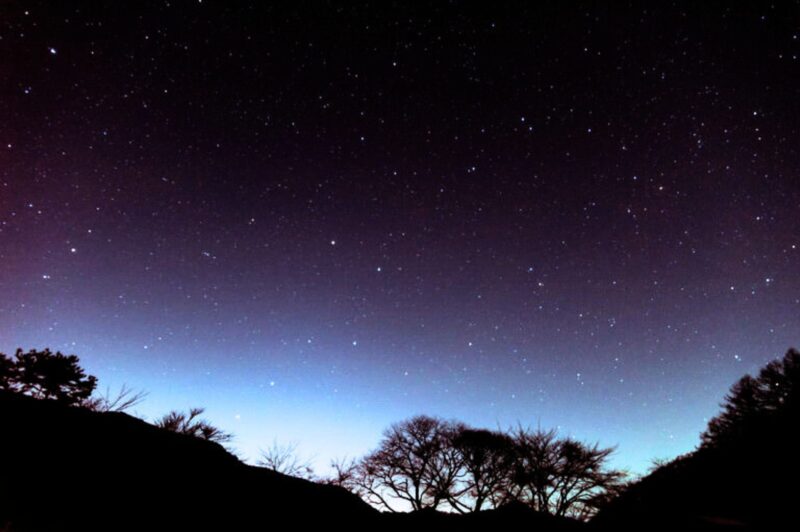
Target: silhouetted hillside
(744,474)
(64,468)
(740,486)
(70,469)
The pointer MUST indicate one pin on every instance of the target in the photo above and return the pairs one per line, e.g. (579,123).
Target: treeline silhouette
(90,455)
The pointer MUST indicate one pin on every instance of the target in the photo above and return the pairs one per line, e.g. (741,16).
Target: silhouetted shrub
(188,423)
(284,459)
(125,399)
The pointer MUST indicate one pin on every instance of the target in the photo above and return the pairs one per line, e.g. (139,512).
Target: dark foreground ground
(70,469)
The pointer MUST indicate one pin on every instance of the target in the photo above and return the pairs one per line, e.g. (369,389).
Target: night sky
(318,219)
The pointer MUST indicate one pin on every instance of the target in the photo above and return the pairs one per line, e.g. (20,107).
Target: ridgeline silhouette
(743,473)
(68,461)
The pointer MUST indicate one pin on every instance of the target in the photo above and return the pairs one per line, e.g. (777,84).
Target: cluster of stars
(560,215)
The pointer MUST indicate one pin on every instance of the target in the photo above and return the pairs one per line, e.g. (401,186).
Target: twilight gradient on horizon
(316,222)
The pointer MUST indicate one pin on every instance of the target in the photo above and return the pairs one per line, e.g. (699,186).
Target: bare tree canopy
(486,457)
(426,462)
(559,476)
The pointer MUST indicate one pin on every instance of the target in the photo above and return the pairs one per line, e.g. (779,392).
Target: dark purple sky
(319,220)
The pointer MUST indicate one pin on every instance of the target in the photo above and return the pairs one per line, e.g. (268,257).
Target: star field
(319,220)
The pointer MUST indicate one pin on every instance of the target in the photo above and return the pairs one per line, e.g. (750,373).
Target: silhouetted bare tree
(46,375)
(414,464)
(284,459)
(188,423)
(755,402)
(425,462)
(559,476)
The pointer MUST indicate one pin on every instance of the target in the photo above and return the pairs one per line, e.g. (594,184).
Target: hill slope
(67,468)
(748,482)
(744,473)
